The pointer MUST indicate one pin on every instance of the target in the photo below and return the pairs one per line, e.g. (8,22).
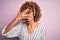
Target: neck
(31,24)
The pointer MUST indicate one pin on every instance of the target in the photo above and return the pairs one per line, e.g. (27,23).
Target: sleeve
(13,32)
(43,36)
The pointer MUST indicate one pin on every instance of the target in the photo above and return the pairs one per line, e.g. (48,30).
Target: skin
(23,15)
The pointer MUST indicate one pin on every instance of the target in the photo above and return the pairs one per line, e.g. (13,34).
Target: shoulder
(42,27)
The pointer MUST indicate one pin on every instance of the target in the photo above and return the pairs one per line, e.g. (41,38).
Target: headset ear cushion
(34,11)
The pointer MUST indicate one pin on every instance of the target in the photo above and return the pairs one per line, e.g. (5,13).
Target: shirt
(20,30)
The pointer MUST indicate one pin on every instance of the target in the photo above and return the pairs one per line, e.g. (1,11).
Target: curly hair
(32,5)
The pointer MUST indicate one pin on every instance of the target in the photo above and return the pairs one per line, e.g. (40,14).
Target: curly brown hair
(32,5)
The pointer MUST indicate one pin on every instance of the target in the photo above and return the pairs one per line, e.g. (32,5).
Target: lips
(24,20)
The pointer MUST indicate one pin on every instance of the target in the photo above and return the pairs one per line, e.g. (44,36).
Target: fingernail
(27,9)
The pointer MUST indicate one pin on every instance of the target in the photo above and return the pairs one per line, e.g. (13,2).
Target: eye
(28,12)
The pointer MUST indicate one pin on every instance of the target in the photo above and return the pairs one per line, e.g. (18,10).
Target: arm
(9,27)
(14,21)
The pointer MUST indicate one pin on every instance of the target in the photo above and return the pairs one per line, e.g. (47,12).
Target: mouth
(24,20)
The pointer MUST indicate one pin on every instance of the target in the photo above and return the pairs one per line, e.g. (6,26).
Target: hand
(20,15)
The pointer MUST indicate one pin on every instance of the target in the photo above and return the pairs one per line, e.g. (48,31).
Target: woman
(26,24)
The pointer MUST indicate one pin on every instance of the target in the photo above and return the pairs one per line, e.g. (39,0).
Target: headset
(34,12)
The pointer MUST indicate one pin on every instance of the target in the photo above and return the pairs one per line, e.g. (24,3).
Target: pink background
(50,16)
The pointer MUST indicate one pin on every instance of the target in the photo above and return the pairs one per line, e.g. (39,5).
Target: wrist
(16,19)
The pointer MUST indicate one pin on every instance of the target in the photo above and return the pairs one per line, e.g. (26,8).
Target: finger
(26,10)
(20,10)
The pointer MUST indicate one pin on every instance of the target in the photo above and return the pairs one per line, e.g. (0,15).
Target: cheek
(31,17)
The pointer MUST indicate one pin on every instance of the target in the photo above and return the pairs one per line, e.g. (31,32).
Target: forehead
(29,12)
(26,6)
